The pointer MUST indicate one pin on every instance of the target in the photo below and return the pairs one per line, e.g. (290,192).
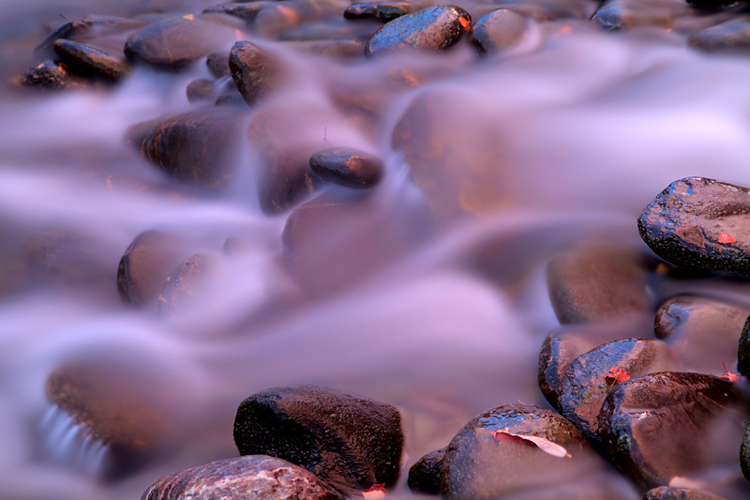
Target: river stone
(667,493)
(218,64)
(232,98)
(694,223)
(731,36)
(254,477)
(199,90)
(347,167)
(499,30)
(53,75)
(67,30)
(585,384)
(582,284)
(615,15)
(743,351)
(86,59)
(559,350)
(254,70)
(382,11)
(194,148)
(701,332)
(434,28)
(659,426)
(245,11)
(175,44)
(424,475)
(145,266)
(481,467)
(349,441)
(190,282)
(745,453)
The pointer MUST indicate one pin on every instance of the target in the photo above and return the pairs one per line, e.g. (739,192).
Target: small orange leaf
(375,492)
(725,238)
(729,376)
(618,375)
(464,22)
(543,444)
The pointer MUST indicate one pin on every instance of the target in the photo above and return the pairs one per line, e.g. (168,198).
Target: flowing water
(572,135)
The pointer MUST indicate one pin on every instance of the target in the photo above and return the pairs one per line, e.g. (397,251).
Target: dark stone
(667,493)
(255,477)
(589,378)
(232,98)
(424,475)
(53,75)
(701,333)
(246,11)
(745,453)
(349,441)
(335,29)
(482,465)
(347,167)
(711,4)
(200,90)
(731,36)
(435,28)
(285,177)
(218,64)
(699,223)
(67,30)
(194,148)
(254,71)
(90,60)
(743,351)
(146,264)
(546,10)
(382,11)
(499,30)
(175,44)
(663,425)
(187,285)
(581,284)
(338,49)
(615,15)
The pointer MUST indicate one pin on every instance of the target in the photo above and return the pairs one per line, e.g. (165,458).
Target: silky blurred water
(585,127)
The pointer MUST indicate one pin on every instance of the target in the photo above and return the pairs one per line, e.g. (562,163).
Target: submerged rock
(668,424)
(667,493)
(745,453)
(347,167)
(615,15)
(434,28)
(218,64)
(424,475)
(339,49)
(486,461)
(195,148)
(53,75)
(90,60)
(199,90)
(349,441)
(70,255)
(246,11)
(731,36)
(743,351)
(255,477)
(382,11)
(700,224)
(499,30)
(254,71)
(187,285)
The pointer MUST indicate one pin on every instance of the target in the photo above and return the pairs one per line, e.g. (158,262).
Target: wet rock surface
(434,28)
(175,44)
(743,351)
(701,332)
(382,11)
(200,90)
(194,148)
(483,461)
(254,71)
(424,475)
(218,64)
(69,255)
(580,284)
(700,224)
(91,60)
(255,477)
(745,453)
(246,11)
(340,49)
(659,426)
(731,36)
(615,15)
(347,167)
(51,75)
(667,493)
(591,376)
(187,285)
(348,441)
(499,30)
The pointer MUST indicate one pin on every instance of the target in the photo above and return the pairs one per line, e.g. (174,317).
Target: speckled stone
(667,493)
(382,11)
(187,285)
(91,60)
(347,167)
(254,477)
(53,75)
(254,71)
(424,475)
(499,30)
(730,36)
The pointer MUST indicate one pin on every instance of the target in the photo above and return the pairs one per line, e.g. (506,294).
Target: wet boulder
(701,332)
(254,70)
(382,11)
(668,493)
(499,30)
(596,283)
(434,28)
(730,36)
(668,424)
(232,98)
(245,11)
(349,441)
(175,44)
(279,18)
(254,477)
(591,376)
(615,15)
(194,148)
(424,475)
(514,448)
(86,59)
(745,453)
(218,64)
(743,351)
(347,167)
(700,224)
(200,90)
(547,10)
(191,282)
(53,75)
(145,266)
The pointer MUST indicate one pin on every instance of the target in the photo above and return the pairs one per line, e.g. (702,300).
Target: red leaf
(731,377)
(375,492)
(618,375)
(725,238)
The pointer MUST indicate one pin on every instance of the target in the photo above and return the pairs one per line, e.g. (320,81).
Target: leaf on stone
(729,376)
(725,238)
(375,492)
(465,23)
(618,375)
(543,444)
